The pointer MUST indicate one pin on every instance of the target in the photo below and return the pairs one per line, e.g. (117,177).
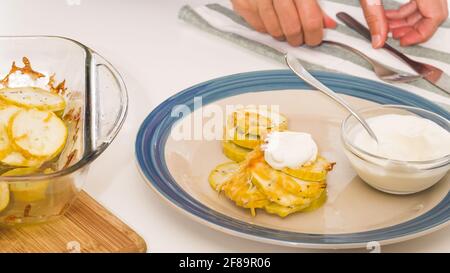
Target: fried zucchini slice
(316,171)
(317,203)
(17,159)
(247,127)
(4,195)
(244,193)
(234,152)
(27,191)
(221,174)
(38,133)
(255,121)
(243,140)
(248,143)
(33,97)
(274,184)
(236,184)
(279,187)
(282,211)
(5,143)
(6,112)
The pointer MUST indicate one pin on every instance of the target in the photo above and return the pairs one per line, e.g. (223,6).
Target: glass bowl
(394,176)
(96,106)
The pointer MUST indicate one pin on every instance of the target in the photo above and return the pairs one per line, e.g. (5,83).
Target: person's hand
(377,21)
(417,21)
(297,21)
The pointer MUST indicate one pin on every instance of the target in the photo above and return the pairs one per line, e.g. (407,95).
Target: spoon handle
(301,72)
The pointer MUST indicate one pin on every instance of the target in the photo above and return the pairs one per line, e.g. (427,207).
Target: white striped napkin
(220,19)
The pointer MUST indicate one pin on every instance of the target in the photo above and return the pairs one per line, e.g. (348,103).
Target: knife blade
(430,73)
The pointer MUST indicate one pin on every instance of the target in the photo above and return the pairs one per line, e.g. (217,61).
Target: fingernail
(376,41)
(374,2)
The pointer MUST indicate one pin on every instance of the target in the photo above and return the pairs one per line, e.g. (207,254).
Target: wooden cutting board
(86,227)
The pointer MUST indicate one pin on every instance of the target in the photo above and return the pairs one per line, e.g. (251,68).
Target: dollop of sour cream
(405,138)
(289,149)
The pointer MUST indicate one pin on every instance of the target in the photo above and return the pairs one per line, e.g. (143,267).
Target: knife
(430,73)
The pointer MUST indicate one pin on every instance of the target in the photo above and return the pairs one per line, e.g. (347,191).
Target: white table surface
(157,56)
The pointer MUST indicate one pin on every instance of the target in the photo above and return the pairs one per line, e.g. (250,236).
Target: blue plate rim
(155,126)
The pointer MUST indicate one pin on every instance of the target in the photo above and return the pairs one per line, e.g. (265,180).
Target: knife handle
(354,24)
(364,31)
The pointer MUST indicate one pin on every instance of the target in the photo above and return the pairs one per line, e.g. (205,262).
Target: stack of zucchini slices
(31,130)
(245,130)
(31,134)
(252,183)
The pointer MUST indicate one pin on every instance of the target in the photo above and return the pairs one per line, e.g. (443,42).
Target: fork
(383,72)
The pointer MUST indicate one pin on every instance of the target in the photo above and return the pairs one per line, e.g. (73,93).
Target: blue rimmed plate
(177,147)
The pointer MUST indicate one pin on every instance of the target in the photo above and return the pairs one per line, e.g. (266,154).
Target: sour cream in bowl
(412,153)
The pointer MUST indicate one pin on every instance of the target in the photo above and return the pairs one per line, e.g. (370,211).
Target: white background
(158,56)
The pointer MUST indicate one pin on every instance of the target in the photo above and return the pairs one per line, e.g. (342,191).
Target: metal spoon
(295,65)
